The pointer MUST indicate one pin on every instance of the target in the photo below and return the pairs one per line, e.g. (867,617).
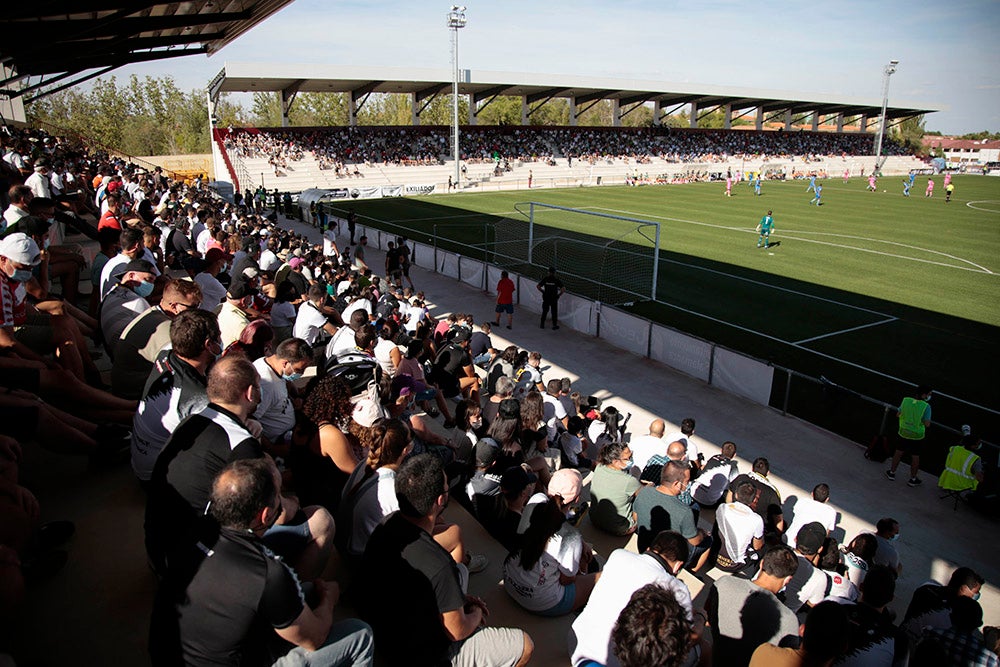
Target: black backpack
(361,372)
(387,303)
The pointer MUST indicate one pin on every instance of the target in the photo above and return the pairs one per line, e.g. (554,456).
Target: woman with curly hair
(324,453)
(370,494)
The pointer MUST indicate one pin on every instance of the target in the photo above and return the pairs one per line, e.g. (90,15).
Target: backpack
(387,303)
(361,373)
(522,383)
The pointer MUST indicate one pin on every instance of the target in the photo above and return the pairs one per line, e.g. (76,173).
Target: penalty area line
(843,331)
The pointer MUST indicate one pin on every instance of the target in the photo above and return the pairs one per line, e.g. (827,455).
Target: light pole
(889,70)
(456,20)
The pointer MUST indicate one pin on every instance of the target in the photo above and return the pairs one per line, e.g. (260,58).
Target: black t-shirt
(393,260)
(448,368)
(480,343)
(408,581)
(202,445)
(550,287)
(219,602)
(299,281)
(182,244)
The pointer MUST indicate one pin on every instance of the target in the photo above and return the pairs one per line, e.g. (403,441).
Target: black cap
(33,226)
(239,289)
(516,478)
(459,334)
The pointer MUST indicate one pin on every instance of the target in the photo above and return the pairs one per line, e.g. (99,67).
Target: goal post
(612,258)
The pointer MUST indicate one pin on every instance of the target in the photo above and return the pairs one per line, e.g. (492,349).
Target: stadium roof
(483,85)
(50,41)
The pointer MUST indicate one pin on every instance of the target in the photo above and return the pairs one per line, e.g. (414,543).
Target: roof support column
(572,111)
(414,114)
(727,117)
(287,96)
(759,120)
(656,113)
(694,115)
(815,127)
(840,122)
(352,110)
(473,111)
(524,109)
(616,112)
(788,120)
(863,123)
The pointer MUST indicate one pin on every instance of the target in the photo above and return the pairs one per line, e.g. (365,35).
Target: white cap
(20,248)
(966,429)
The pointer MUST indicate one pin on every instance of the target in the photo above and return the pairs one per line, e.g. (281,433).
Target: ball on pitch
(883,191)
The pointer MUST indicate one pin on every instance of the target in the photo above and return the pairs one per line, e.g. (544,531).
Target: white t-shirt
(275,411)
(813,582)
(553,413)
(212,291)
(329,242)
(623,574)
(370,506)
(738,526)
(269,261)
(12,214)
(107,283)
(806,511)
(202,241)
(232,322)
(688,440)
(283,314)
(645,447)
(309,323)
(342,341)
(383,354)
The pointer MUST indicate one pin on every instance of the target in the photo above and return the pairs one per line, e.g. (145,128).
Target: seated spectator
(501,513)
(485,479)
(284,312)
(612,491)
(743,613)
(842,589)
(858,557)
(659,508)
(931,603)
(651,629)
(719,472)
(767,500)
(278,372)
(572,445)
(213,292)
(812,509)
(506,431)
(822,640)
(343,338)
(685,436)
(126,301)
(176,386)
(369,494)
(963,642)
(439,622)
(454,372)
(645,447)
(809,585)
(255,341)
(234,312)
(739,533)
(543,575)
(624,574)
(143,338)
(886,534)
(872,637)
(222,592)
(311,323)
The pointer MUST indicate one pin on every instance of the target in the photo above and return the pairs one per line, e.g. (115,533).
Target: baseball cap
(459,335)
(139,265)
(296,262)
(114,186)
(20,248)
(366,412)
(240,289)
(33,226)
(811,537)
(566,483)
(516,478)
(486,452)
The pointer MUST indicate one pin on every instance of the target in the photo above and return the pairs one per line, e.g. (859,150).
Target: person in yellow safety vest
(914,417)
(963,469)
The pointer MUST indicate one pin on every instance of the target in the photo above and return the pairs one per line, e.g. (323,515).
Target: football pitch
(874,291)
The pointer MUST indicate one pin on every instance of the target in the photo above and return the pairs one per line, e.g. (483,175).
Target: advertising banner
(419,189)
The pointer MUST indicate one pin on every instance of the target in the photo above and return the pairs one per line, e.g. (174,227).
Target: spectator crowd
(279,400)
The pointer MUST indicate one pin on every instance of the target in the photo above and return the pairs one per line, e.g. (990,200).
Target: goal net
(610,258)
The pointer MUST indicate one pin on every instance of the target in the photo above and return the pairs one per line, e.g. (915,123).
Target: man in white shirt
(132,247)
(812,509)
(275,412)
(808,585)
(623,574)
(740,531)
(268,259)
(311,324)
(204,237)
(685,436)
(645,447)
(39,180)
(20,196)
(553,411)
(213,292)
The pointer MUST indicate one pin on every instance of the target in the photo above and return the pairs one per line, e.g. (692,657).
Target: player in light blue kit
(819,193)
(756,186)
(812,183)
(907,185)
(764,228)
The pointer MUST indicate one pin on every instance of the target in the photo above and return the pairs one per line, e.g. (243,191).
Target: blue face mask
(291,377)
(143,289)
(894,537)
(21,275)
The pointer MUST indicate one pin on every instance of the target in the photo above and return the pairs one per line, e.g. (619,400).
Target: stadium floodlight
(889,70)
(456,20)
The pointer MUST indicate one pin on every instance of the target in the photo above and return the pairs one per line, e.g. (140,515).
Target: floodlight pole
(889,70)
(456,20)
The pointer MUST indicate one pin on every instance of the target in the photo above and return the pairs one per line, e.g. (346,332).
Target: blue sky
(949,52)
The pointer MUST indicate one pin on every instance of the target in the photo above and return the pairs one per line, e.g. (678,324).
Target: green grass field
(907,287)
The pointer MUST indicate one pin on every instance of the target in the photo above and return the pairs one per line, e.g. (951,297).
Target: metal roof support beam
(50,9)
(86,77)
(676,108)
(359,96)
(592,97)
(54,65)
(579,112)
(546,95)
(632,99)
(430,92)
(112,46)
(114,25)
(635,105)
(745,113)
(490,93)
(287,99)
(710,110)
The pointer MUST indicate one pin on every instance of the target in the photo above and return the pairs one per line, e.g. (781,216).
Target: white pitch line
(983,201)
(980,269)
(843,331)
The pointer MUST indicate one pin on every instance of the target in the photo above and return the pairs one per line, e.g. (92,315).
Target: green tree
(909,133)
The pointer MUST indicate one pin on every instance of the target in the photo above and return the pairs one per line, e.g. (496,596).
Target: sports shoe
(477,563)
(890,475)
(915,481)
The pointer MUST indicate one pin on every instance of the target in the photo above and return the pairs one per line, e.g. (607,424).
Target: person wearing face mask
(176,386)
(613,489)
(914,417)
(132,246)
(276,411)
(233,316)
(932,603)
(126,301)
(211,607)
(658,508)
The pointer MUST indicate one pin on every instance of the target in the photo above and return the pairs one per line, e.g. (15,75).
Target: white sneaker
(477,563)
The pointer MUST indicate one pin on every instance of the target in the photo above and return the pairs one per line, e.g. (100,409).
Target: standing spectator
(505,299)
(612,491)
(743,614)
(914,417)
(440,622)
(551,288)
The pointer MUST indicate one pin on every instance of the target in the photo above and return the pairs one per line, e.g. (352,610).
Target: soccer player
(906,187)
(756,185)
(929,192)
(948,189)
(812,183)
(847,175)
(947,179)
(764,228)
(729,186)
(819,193)
(872,183)
(913,177)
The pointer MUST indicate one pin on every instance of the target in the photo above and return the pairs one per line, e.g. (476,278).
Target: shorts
(488,646)
(289,539)
(562,607)
(505,308)
(697,551)
(911,447)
